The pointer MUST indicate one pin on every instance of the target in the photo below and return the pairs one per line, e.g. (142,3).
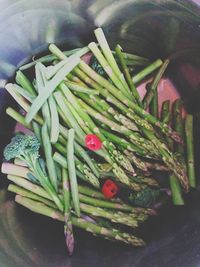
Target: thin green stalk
(26,193)
(36,128)
(153,107)
(90,192)
(13,169)
(166,115)
(24,183)
(21,101)
(24,82)
(18,117)
(189,136)
(177,109)
(125,69)
(68,115)
(72,172)
(59,159)
(177,197)
(108,69)
(69,237)
(81,88)
(54,134)
(152,87)
(40,71)
(109,56)
(28,96)
(77,116)
(48,155)
(176,190)
(146,71)
(132,57)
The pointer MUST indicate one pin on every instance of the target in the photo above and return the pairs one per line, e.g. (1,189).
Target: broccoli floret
(144,198)
(25,147)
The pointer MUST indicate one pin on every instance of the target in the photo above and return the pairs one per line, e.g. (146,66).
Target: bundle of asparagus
(69,102)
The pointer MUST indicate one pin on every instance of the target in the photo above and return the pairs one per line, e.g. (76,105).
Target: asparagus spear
(21,101)
(115,234)
(29,194)
(152,87)
(40,72)
(49,159)
(72,171)
(134,91)
(108,204)
(18,117)
(116,216)
(109,57)
(24,82)
(108,69)
(23,183)
(174,182)
(178,124)
(146,71)
(36,129)
(153,107)
(81,88)
(54,120)
(165,112)
(190,149)
(67,212)
(23,92)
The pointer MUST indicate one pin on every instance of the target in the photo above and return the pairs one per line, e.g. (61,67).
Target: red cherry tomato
(92,142)
(109,189)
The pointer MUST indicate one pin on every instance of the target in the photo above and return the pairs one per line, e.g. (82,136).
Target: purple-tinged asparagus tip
(69,239)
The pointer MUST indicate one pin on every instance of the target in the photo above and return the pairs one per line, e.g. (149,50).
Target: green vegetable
(127,75)
(49,158)
(69,237)
(26,148)
(190,149)
(111,233)
(50,87)
(72,172)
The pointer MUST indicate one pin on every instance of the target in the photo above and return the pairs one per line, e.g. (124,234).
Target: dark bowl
(157,28)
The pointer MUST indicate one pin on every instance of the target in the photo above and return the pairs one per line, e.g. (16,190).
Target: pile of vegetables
(92,147)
